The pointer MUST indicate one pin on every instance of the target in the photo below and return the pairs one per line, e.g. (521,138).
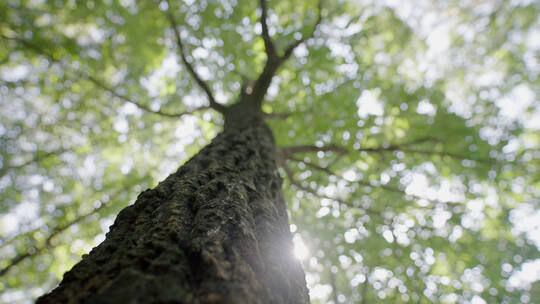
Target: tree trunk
(216,231)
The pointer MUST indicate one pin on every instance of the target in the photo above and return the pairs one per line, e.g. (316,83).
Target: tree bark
(215,231)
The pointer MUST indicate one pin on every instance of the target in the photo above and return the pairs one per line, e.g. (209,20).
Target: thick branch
(213,104)
(264,80)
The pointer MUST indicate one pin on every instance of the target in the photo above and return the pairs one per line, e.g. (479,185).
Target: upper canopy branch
(98,83)
(329,172)
(295,44)
(39,156)
(401,147)
(297,184)
(274,60)
(271,52)
(286,151)
(276,115)
(213,104)
(268,44)
(125,98)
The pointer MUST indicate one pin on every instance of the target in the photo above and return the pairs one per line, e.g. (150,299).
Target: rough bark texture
(216,231)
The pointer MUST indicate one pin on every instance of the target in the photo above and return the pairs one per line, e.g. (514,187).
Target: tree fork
(215,231)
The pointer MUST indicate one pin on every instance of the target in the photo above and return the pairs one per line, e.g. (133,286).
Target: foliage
(409,133)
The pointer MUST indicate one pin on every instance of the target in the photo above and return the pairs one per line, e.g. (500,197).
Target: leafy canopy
(408,134)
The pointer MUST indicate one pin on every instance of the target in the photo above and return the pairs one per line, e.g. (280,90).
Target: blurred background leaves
(432,196)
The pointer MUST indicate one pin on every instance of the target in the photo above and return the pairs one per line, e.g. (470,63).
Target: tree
(408,175)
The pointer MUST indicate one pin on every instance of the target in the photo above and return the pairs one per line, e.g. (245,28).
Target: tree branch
(274,61)
(364,183)
(298,185)
(204,86)
(99,83)
(401,148)
(452,155)
(330,172)
(276,115)
(293,181)
(289,50)
(143,107)
(391,148)
(268,44)
(364,290)
(39,156)
(334,286)
(33,250)
(287,151)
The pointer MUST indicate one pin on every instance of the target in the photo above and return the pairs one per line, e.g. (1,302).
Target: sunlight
(368,104)
(301,251)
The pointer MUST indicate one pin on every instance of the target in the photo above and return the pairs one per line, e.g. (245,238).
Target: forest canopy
(408,134)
